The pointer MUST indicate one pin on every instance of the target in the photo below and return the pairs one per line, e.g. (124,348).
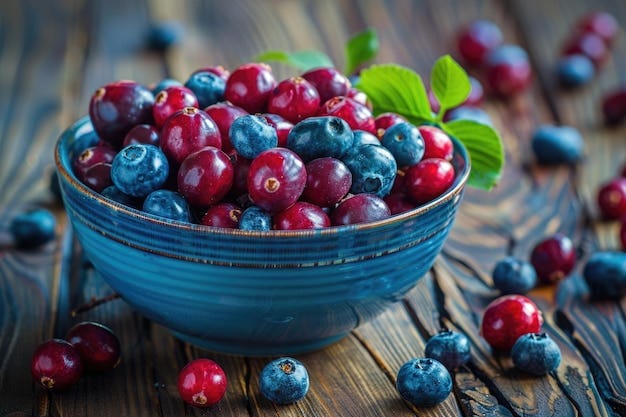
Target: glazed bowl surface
(253,293)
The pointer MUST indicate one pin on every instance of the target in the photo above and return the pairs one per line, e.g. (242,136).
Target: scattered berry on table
(611,199)
(205,176)
(554,145)
(423,382)
(284,381)
(476,40)
(507,318)
(255,218)
(536,353)
(96,344)
(202,383)
(163,35)
(614,106)
(512,275)
(553,258)
(249,86)
(207,86)
(33,228)
(252,134)
(168,204)
(575,70)
(137,170)
(602,24)
(56,365)
(359,208)
(507,70)
(186,131)
(588,44)
(449,347)
(405,143)
(605,274)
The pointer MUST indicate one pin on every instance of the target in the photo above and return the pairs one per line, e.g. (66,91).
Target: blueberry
(373,169)
(405,143)
(318,137)
(255,218)
(163,35)
(605,273)
(450,348)
(207,86)
(555,145)
(514,276)
(251,134)
(424,382)
(575,70)
(168,204)
(113,193)
(505,54)
(139,169)
(536,353)
(361,137)
(33,228)
(474,114)
(284,381)
(164,83)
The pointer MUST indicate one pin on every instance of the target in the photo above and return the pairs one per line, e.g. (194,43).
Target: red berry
(98,176)
(328,181)
(614,106)
(97,345)
(241,166)
(56,365)
(359,208)
(187,131)
(202,383)
(282,126)
(90,157)
(437,143)
(357,115)
(385,120)
(276,179)
(553,258)
(428,179)
(205,176)
(222,215)
(360,97)
(249,87)
(329,82)
(611,199)
(508,70)
(477,39)
(507,318)
(588,44)
(398,203)
(300,216)
(294,99)
(171,100)
(602,24)
(224,114)
(143,133)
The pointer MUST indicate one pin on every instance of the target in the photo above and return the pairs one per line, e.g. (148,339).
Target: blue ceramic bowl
(253,293)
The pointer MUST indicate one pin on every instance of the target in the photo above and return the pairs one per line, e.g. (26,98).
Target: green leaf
(394,88)
(303,60)
(449,83)
(485,149)
(361,48)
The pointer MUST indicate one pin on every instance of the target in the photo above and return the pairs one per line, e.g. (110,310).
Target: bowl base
(238,348)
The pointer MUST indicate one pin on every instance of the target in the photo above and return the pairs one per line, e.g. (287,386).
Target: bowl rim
(66,174)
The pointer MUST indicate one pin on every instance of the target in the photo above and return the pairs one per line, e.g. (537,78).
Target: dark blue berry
(536,353)
(284,381)
(167,204)
(555,145)
(450,348)
(165,83)
(361,137)
(139,169)
(514,276)
(505,54)
(318,137)
(33,228)
(251,134)
(373,169)
(424,382)
(405,143)
(163,35)
(207,86)
(474,114)
(255,218)
(113,193)
(605,273)
(575,70)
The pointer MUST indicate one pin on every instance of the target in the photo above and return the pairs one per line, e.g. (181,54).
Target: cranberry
(360,97)
(241,166)
(477,39)
(56,365)
(143,133)
(224,114)
(611,199)
(202,383)
(187,131)
(588,44)
(301,215)
(398,203)
(90,157)
(97,345)
(553,258)
(282,126)
(428,179)
(276,179)
(294,99)
(328,181)
(98,176)
(171,100)
(508,71)
(205,176)
(437,143)
(507,318)
(358,116)
(115,108)
(249,87)
(329,82)
(384,121)
(614,106)
(224,215)
(602,24)
(359,208)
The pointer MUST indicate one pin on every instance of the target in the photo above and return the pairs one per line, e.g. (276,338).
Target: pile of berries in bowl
(252,216)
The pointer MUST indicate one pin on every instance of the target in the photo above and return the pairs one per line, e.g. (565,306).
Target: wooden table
(54,54)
